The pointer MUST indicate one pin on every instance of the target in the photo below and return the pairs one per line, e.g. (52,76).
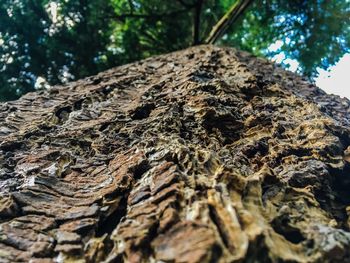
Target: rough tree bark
(203,155)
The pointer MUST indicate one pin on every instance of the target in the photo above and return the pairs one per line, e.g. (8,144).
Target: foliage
(46,42)
(316,33)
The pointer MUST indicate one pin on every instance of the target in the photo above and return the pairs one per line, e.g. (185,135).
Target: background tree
(50,42)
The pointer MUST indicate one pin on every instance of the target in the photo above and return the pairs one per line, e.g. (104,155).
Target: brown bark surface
(203,155)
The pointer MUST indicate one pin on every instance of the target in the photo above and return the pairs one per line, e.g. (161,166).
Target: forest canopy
(44,43)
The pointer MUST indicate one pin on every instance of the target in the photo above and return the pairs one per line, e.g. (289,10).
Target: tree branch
(186,4)
(229,18)
(122,17)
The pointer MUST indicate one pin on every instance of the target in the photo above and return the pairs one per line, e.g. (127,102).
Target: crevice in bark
(78,104)
(298,152)
(143,111)
(257,251)
(63,114)
(216,253)
(140,169)
(111,222)
(12,146)
(227,125)
(146,246)
(282,227)
(270,187)
(334,198)
(214,218)
(104,126)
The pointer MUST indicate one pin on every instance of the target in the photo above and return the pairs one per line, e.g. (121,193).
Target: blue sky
(337,79)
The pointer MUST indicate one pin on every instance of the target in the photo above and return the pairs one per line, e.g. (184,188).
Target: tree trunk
(202,155)
(197,22)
